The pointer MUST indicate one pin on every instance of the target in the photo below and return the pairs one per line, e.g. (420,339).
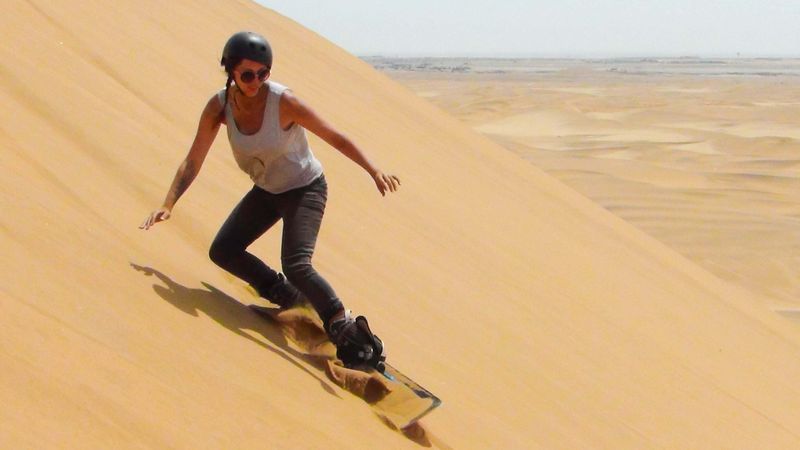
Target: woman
(265,124)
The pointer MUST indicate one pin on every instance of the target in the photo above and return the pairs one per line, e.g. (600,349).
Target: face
(249,76)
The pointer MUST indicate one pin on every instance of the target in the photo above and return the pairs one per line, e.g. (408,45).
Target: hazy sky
(553,27)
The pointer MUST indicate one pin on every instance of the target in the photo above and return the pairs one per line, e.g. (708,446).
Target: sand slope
(540,319)
(707,164)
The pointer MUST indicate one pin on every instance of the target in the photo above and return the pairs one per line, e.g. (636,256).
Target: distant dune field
(702,155)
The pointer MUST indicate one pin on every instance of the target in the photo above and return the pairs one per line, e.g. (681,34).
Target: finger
(391,184)
(145,222)
(386,183)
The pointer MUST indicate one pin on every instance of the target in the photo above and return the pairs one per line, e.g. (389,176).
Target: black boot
(283,294)
(356,346)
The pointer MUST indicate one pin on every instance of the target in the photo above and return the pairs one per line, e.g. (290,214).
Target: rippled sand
(708,164)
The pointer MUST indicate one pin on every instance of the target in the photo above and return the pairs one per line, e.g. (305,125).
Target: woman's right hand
(156,216)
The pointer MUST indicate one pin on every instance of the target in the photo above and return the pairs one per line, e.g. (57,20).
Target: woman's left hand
(386,182)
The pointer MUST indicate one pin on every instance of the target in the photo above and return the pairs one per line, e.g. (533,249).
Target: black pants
(301,210)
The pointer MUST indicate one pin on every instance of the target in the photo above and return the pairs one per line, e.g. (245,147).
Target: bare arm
(206,133)
(293,110)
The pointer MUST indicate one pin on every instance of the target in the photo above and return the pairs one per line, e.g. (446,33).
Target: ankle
(336,322)
(338,316)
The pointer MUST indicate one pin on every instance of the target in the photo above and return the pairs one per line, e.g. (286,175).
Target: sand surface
(706,161)
(540,319)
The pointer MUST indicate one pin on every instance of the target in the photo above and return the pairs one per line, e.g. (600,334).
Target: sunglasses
(248,75)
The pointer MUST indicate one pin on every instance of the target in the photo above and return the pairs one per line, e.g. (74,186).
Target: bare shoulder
(293,107)
(213,110)
(289,101)
(290,109)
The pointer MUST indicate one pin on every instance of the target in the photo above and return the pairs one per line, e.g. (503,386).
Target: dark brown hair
(229,65)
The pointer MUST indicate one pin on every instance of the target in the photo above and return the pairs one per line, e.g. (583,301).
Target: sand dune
(706,164)
(541,320)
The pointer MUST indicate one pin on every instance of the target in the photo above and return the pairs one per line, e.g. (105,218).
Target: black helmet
(249,45)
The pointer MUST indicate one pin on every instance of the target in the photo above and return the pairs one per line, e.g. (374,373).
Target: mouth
(249,90)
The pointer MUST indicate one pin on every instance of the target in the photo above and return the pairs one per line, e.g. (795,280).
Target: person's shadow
(235,316)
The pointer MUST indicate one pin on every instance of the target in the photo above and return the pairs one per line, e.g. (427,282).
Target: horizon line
(571,56)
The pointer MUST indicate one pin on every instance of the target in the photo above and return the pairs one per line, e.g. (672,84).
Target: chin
(249,91)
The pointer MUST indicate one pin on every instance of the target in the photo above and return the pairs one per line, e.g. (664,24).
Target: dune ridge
(539,318)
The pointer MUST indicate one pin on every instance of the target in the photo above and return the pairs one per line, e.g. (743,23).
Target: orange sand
(541,320)
(708,165)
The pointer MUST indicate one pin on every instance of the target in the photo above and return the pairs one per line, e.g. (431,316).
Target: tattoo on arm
(189,172)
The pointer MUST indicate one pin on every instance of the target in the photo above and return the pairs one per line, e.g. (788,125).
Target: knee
(220,253)
(297,269)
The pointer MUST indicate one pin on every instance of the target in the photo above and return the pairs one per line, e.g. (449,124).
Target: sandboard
(405,403)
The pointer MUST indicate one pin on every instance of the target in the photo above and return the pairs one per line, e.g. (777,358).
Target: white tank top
(277,160)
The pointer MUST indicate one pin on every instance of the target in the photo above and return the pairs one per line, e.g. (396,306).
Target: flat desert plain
(702,154)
